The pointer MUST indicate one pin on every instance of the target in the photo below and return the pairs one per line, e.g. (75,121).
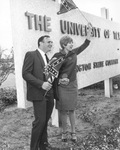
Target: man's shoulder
(31,53)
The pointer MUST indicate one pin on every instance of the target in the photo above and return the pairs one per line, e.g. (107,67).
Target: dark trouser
(42,112)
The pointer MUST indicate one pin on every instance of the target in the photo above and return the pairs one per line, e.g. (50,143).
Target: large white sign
(34,18)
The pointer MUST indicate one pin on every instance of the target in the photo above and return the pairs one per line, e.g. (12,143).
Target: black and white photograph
(59,75)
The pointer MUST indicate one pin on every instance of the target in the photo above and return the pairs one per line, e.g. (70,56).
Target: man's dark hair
(42,38)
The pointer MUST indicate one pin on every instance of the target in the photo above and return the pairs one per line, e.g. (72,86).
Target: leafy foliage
(7,97)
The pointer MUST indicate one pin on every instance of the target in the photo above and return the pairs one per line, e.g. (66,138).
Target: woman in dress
(67,86)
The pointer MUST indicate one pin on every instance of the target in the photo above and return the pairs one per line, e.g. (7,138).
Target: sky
(89,6)
(94,7)
(5,25)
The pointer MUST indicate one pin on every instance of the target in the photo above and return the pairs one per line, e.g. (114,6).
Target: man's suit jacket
(32,72)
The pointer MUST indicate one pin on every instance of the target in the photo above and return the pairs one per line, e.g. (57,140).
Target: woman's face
(69,46)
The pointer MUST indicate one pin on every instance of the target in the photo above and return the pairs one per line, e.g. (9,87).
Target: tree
(6,64)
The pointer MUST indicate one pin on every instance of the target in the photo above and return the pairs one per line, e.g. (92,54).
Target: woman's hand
(64,81)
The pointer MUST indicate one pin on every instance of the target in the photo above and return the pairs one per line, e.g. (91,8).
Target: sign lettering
(95,65)
(41,22)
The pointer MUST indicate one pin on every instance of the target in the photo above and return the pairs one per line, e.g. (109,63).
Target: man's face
(47,44)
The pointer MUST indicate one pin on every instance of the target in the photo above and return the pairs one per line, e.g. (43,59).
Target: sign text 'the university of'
(42,23)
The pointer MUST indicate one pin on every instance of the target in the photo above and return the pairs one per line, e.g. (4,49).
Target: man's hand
(64,81)
(46,86)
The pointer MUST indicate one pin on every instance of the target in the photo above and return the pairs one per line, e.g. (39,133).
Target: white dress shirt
(43,56)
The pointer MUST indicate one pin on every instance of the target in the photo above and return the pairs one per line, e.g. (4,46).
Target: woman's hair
(65,40)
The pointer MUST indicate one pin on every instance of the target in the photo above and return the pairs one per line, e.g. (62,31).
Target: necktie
(47,58)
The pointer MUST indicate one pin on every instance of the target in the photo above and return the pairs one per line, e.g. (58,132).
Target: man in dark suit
(37,85)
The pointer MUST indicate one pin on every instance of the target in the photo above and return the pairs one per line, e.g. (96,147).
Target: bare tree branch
(6,64)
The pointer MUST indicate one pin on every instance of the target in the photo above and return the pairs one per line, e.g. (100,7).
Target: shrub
(8,96)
